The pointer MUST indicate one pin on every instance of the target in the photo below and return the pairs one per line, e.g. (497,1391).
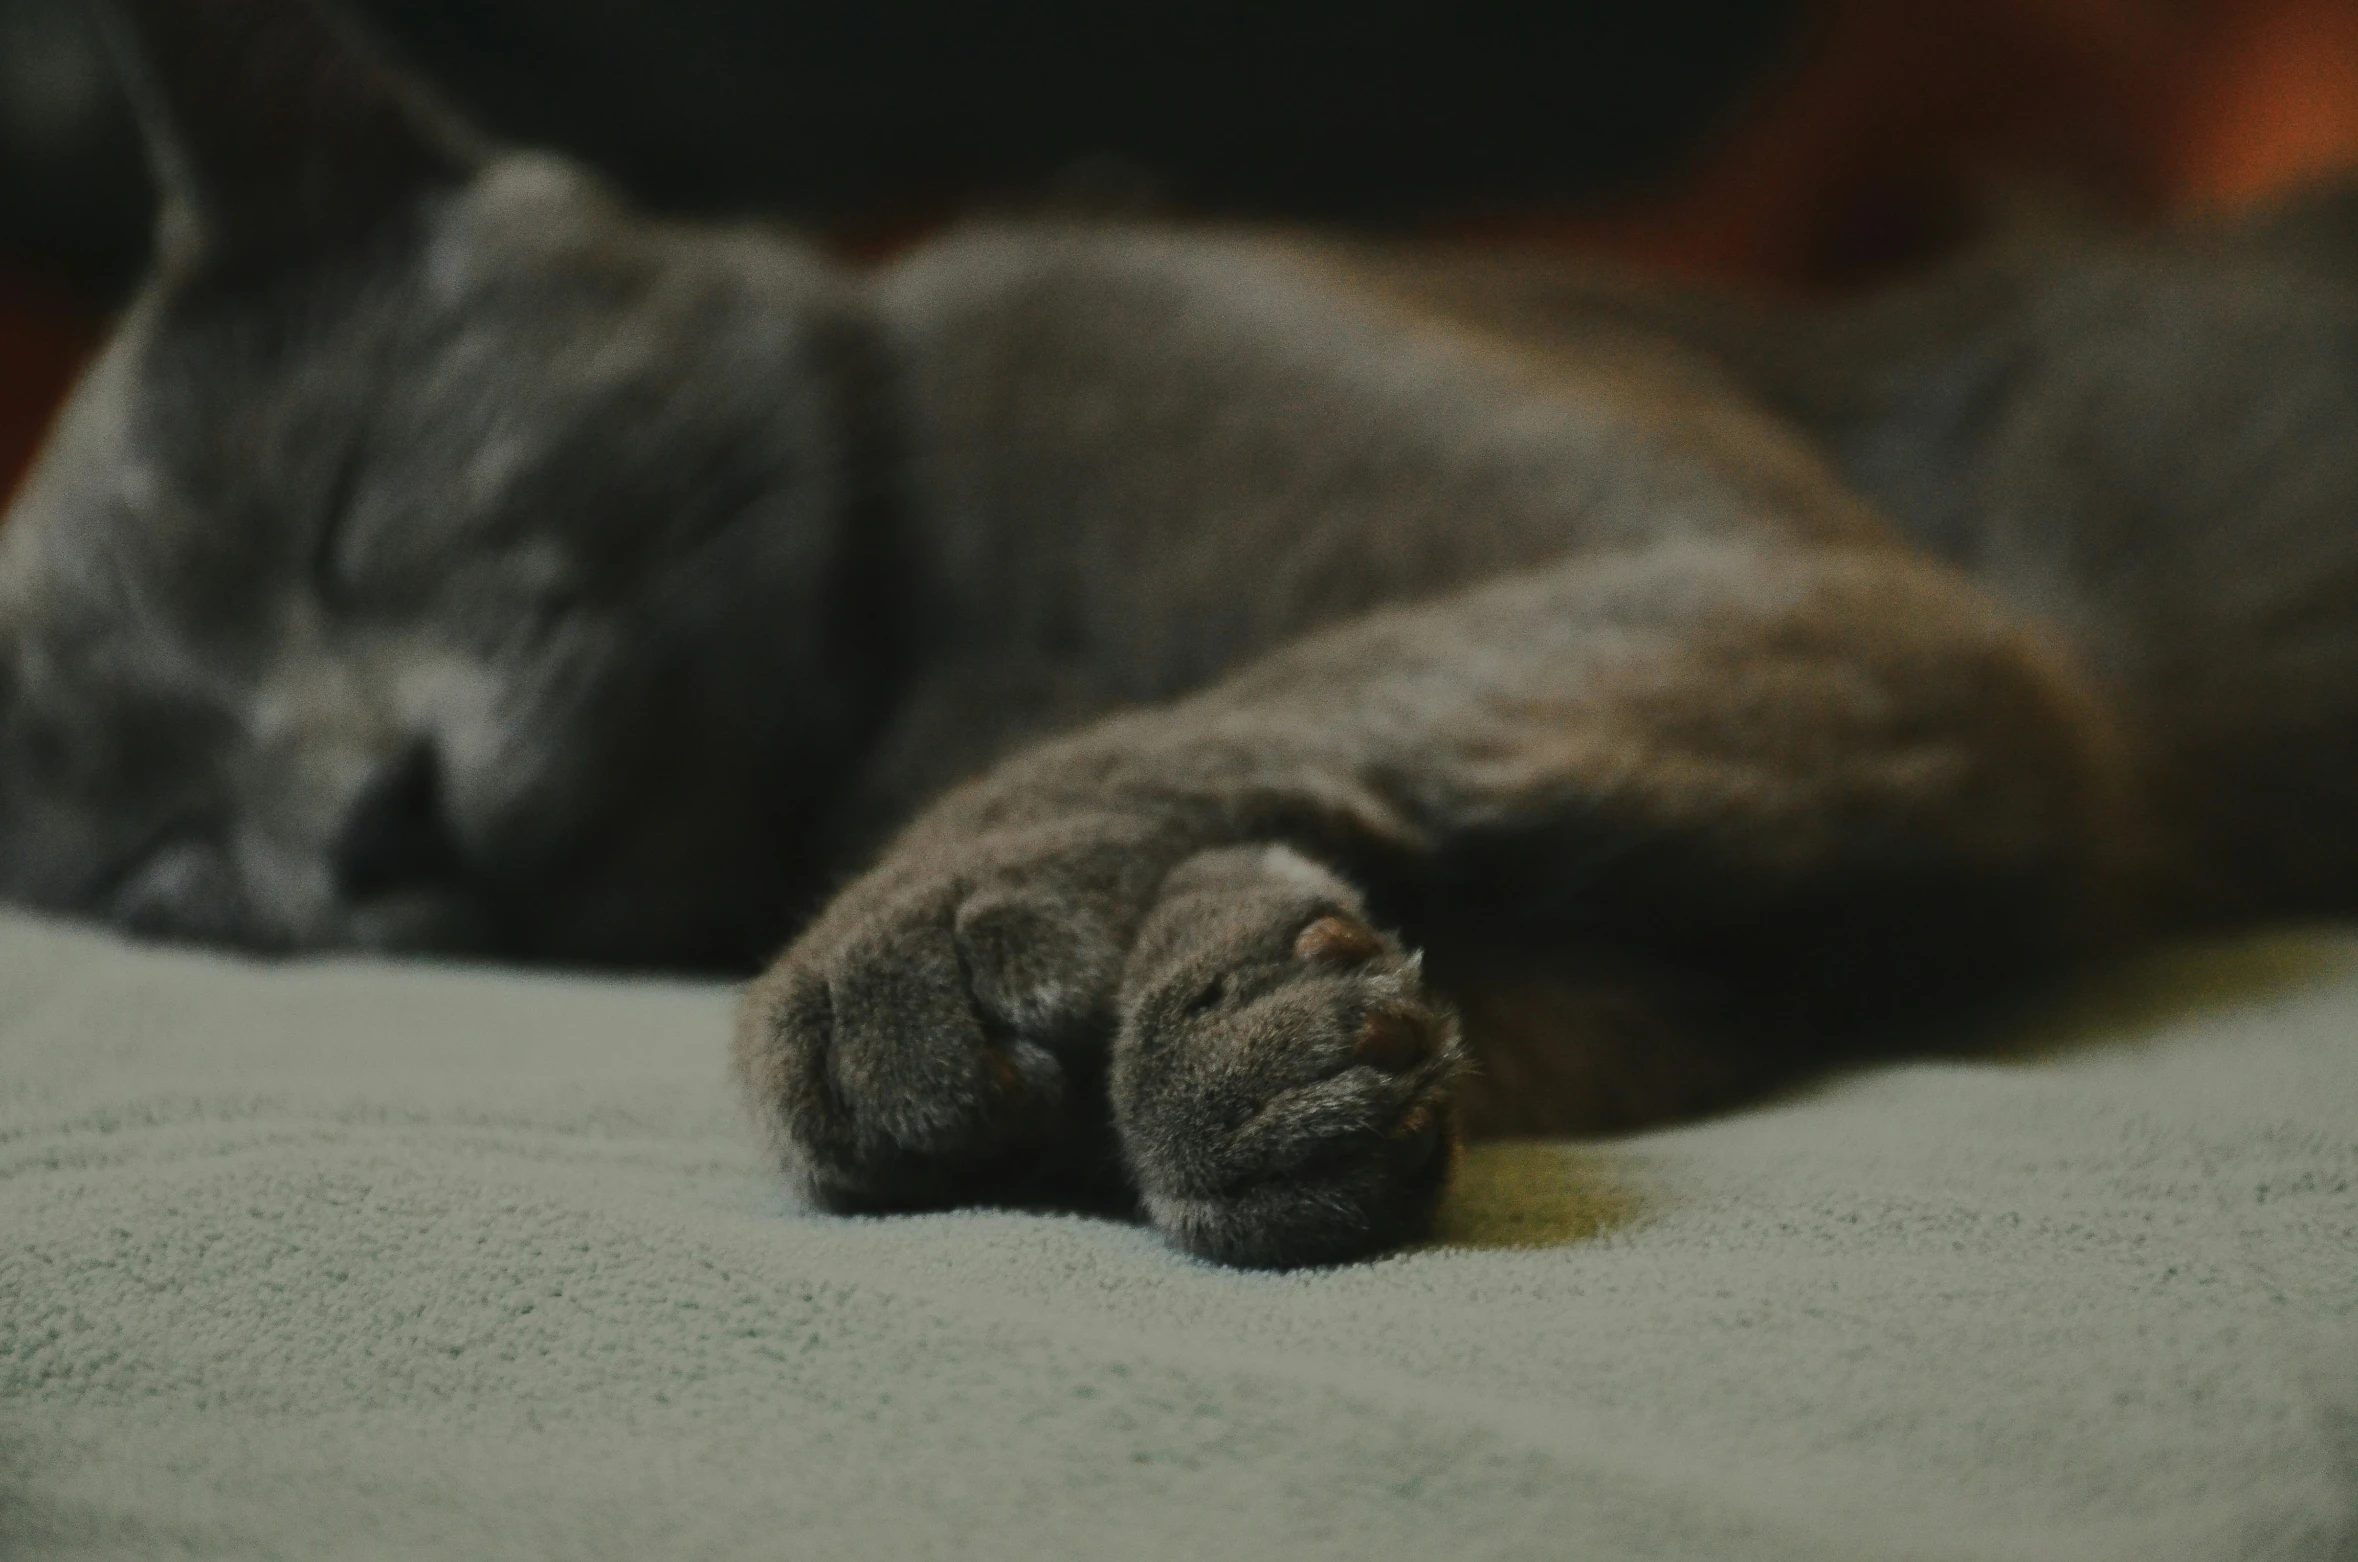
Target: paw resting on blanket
(1280,1077)
(919,1044)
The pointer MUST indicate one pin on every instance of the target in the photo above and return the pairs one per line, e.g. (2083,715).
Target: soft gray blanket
(354,1260)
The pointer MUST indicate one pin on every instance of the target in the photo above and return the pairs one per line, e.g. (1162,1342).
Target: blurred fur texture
(1212,717)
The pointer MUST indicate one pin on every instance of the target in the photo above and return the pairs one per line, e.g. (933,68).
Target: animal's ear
(274,132)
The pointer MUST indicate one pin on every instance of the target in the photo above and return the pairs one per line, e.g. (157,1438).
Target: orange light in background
(2279,110)
(1872,150)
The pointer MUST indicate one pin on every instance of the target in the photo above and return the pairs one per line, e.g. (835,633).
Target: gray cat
(1107,654)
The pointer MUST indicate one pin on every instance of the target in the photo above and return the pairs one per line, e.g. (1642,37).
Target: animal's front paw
(1282,1079)
(927,1040)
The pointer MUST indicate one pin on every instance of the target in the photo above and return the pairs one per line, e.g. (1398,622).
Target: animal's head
(439,556)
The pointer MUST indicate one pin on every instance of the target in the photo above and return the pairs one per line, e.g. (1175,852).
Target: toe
(1338,940)
(1395,1040)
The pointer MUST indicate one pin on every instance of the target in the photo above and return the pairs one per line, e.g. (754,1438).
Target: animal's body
(1103,657)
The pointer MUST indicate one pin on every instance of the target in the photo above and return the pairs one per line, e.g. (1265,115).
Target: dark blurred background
(1781,143)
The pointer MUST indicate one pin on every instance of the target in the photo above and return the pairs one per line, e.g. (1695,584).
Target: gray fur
(1101,656)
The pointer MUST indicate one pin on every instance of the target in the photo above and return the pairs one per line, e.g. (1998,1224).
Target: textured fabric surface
(350,1260)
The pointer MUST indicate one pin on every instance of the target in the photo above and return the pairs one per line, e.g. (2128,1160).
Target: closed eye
(1209,996)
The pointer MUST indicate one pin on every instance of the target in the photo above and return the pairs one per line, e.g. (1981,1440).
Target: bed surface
(341,1259)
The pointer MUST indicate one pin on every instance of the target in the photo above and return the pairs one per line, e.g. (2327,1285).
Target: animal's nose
(395,835)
